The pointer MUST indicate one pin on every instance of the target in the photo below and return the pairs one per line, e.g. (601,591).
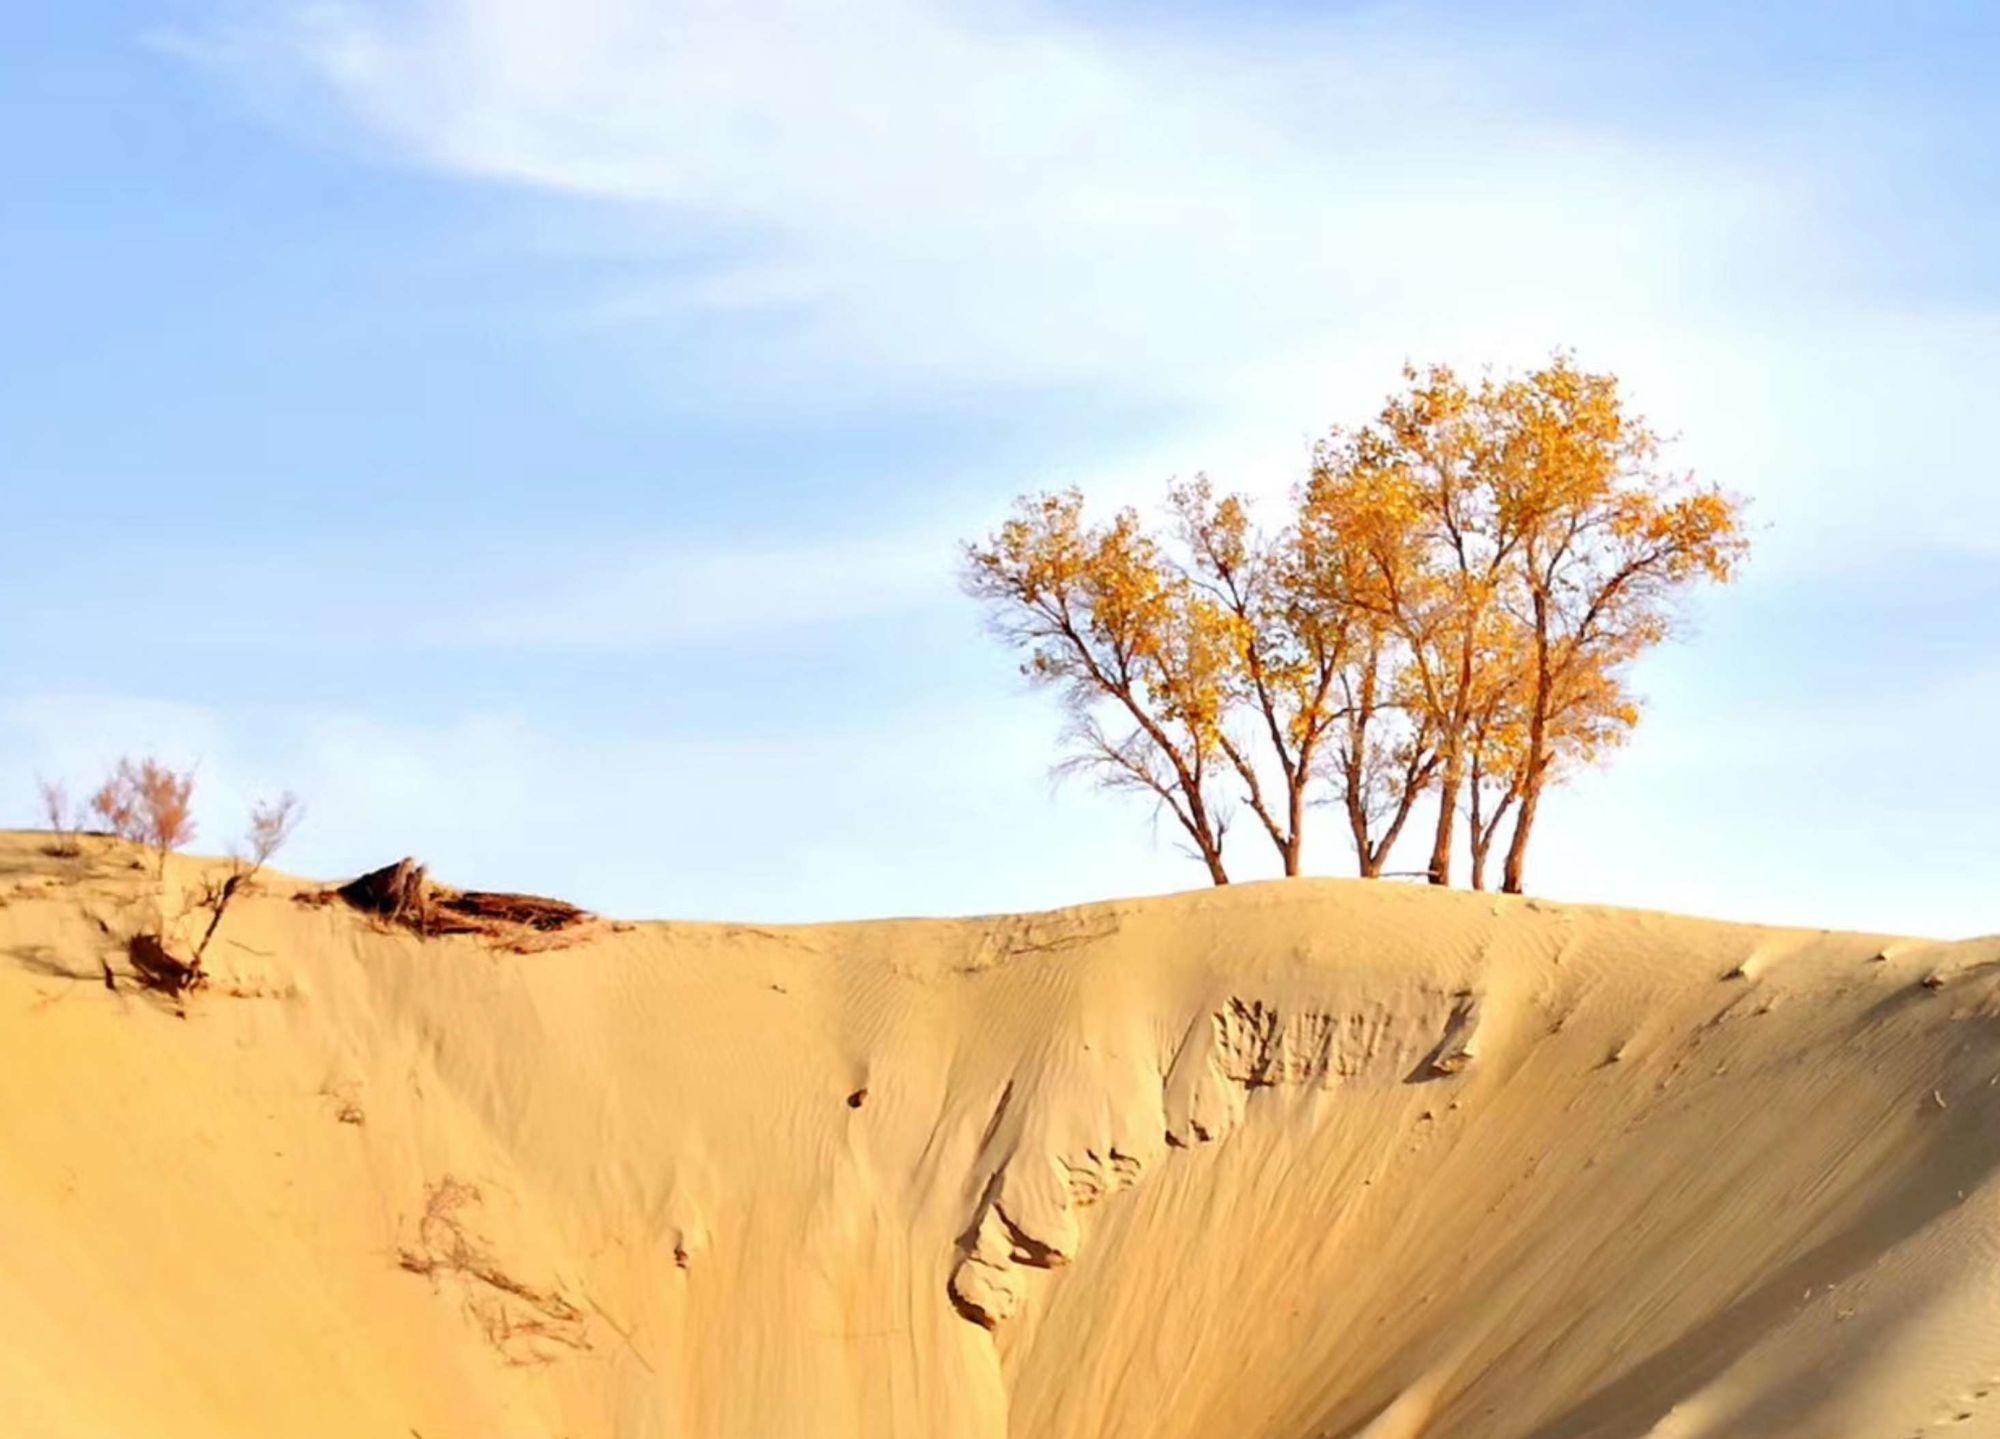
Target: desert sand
(1282,1161)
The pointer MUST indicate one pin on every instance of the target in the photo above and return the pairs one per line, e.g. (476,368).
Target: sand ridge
(1282,1161)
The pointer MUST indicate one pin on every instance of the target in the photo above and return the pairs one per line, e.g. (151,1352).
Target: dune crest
(1306,1160)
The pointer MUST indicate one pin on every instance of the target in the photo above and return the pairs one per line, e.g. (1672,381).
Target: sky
(539,432)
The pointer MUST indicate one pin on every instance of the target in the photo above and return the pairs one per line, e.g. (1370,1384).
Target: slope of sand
(1280,1162)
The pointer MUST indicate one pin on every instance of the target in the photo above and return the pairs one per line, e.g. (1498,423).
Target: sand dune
(1294,1160)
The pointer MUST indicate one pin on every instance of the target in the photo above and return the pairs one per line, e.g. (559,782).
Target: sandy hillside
(1293,1160)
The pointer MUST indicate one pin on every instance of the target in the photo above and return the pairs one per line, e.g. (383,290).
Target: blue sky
(538,432)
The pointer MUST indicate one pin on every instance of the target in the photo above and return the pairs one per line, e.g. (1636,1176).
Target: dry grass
(526,1324)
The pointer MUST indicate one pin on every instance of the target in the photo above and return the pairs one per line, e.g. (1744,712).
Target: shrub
(148,804)
(271,824)
(61,818)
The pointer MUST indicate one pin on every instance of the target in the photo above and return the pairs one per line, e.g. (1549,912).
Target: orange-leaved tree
(1495,738)
(1604,543)
(1411,493)
(1365,567)
(1291,648)
(1451,607)
(1140,654)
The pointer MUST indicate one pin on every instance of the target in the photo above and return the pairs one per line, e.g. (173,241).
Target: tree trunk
(1357,815)
(1479,851)
(1210,847)
(1538,757)
(1296,820)
(222,898)
(1196,822)
(1284,836)
(1475,821)
(1483,829)
(1478,834)
(1447,821)
(1524,824)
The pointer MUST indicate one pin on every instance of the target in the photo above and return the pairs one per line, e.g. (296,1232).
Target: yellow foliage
(1455,600)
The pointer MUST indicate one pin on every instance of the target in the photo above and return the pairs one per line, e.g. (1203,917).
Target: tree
(1606,543)
(1453,606)
(1410,493)
(1496,736)
(1289,651)
(1361,561)
(1109,623)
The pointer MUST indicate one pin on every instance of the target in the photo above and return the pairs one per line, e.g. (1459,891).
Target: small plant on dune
(271,824)
(148,804)
(151,805)
(62,819)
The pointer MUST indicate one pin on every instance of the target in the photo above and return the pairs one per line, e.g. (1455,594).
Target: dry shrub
(62,819)
(271,824)
(148,804)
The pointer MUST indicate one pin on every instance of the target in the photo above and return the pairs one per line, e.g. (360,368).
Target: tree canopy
(1450,607)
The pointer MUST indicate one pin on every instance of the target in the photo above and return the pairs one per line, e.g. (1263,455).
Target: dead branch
(404,894)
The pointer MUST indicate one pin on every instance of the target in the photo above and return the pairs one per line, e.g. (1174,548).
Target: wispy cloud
(1254,226)
(1004,195)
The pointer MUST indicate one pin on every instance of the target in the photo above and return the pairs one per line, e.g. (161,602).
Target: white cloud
(1257,229)
(929,191)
